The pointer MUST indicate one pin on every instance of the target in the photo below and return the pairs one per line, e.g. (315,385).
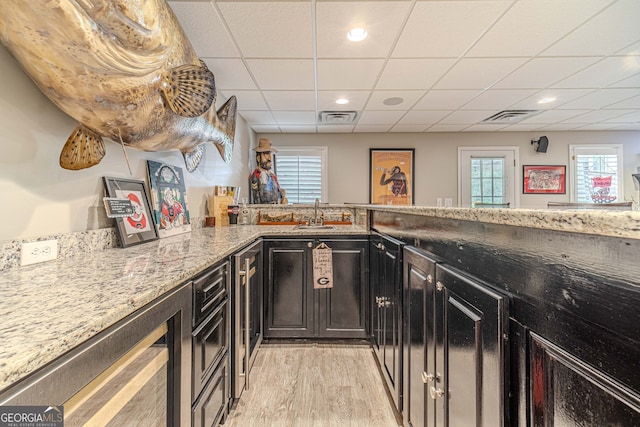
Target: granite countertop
(591,221)
(50,308)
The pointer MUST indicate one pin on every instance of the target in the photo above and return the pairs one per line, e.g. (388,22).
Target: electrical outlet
(34,252)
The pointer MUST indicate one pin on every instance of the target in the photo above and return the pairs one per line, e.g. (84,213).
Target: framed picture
(169,199)
(391,176)
(544,179)
(139,227)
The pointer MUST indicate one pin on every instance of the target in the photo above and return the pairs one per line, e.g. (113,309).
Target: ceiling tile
(382,19)
(528,28)
(327,100)
(613,29)
(446,29)
(291,100)
(380,117)
(486,127)
(265,128)
(596,116)
(602,98)
(497,99)
(230,74)
(633,102)
(552,116)
(466,117)
(295,117)
(445,99)
(562,96)
(204,28)
(377,99)
(413,73)
(446,128)
(542,72)
(283,74)
(270,29)
(247,99)
(348,74)
(423,117)
(258,117)
(601,74)
(478,73)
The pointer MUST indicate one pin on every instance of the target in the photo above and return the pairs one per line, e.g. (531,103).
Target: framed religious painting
(168,199)
(544,179)
(135,223)
(391,180)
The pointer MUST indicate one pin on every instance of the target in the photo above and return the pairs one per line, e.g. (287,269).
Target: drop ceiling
(453,64)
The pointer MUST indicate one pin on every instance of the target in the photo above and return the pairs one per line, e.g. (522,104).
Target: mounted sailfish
(125,70)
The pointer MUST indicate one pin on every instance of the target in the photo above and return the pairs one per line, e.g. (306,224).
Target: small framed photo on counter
(138,227)
(544,179)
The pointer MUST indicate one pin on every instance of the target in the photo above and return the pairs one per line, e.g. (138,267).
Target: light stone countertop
(50,308)
(591,221)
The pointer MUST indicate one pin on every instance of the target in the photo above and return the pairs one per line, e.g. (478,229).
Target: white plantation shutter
(301,171)
(596,173)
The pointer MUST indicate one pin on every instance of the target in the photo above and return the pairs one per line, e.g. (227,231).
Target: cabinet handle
(247,332)
(309,245)
(427,378)
(429,278)
(436,392)
(439,285)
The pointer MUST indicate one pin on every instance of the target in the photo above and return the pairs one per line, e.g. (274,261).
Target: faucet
(316,220)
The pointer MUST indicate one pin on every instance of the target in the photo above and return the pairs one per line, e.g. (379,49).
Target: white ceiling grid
(454,63)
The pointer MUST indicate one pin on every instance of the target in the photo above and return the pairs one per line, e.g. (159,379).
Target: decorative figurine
(262,181)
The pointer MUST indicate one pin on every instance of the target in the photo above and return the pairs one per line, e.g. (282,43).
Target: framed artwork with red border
(544,179)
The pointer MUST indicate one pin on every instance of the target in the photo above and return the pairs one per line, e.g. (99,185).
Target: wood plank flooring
(314,385)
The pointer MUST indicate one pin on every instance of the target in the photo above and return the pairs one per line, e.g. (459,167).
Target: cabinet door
(289,307)
(342,309)
(418,343)
(375,288)
(471,361)
(565,391)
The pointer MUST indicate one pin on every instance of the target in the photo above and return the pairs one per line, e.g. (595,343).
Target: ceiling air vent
(337,117)
(511,116)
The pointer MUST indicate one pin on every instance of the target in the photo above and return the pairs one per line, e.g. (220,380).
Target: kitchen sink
(315,227)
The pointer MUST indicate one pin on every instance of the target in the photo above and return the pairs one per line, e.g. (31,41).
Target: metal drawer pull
(429,278)
(439,285)
(427,378)
(436,392)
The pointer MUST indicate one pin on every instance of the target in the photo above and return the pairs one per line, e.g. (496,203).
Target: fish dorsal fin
(83,149)
(189,89)
(192,158)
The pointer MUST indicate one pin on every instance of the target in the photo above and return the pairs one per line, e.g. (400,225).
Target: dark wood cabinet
(294,309)
(385,266)
(456,359)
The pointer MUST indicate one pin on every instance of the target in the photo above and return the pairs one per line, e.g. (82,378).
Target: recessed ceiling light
(395,100)
(547,100)
(342,101)
(357,34)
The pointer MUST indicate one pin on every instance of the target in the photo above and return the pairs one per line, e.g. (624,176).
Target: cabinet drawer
(210,409)
(209,345)
(209,289)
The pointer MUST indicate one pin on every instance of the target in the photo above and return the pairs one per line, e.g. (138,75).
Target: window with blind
(596,172)
(301,172)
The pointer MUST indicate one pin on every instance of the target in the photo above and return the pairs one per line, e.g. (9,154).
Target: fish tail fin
(84,148)
(192,157)
(226,123)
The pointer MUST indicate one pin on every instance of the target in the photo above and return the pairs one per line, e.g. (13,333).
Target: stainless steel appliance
(247,315)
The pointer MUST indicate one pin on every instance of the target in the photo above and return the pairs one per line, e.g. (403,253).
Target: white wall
(41,198)
(436,157)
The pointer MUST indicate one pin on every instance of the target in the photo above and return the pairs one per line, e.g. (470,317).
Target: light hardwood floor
(314,385)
